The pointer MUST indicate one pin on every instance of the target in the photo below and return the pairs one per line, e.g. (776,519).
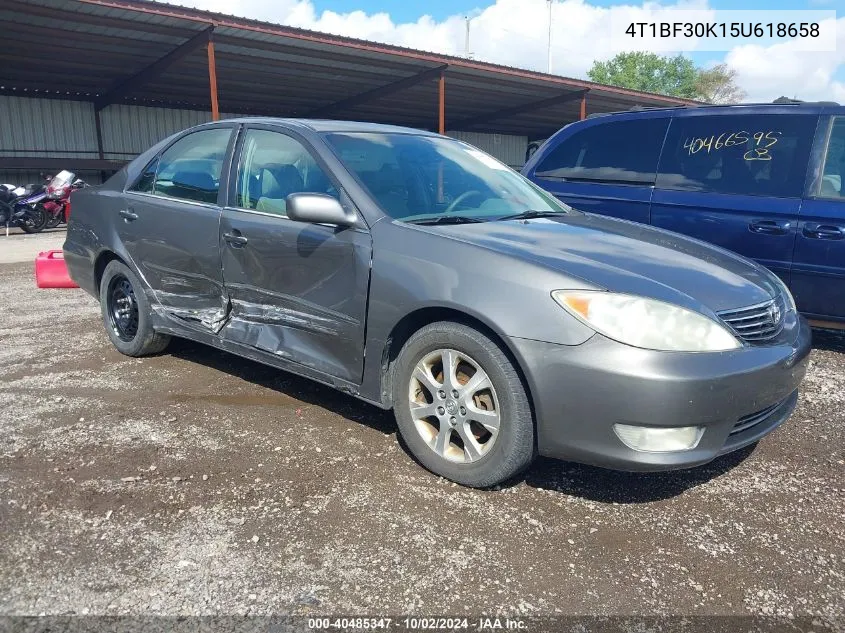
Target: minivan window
(273,166)
(610,151)
(190,168)
(834,162)
(759,155)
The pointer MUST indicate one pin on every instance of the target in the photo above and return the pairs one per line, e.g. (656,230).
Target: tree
(673,76)
(718,85)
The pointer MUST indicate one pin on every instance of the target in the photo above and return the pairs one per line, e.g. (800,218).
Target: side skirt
(168,325)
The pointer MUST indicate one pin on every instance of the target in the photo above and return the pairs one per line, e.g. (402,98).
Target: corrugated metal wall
(507,148)
(25,177)
(47,127)
(128,130)
(53,128)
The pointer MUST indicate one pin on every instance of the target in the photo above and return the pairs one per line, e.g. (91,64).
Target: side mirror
(317,208)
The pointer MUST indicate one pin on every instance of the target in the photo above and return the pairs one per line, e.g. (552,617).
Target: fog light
(658,440)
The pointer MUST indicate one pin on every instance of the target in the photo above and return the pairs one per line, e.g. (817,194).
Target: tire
(500,413)
(126,312)
(36,220)
(53,220)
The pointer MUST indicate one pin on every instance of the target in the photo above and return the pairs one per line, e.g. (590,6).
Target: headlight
(646,323)
(789,300)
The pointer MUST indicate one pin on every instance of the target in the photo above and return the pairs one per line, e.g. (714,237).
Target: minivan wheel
(126,312)
(461,407)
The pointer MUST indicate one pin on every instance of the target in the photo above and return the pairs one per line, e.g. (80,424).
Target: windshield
(415,178)
(61,179)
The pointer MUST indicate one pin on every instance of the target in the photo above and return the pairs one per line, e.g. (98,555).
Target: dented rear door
(297,291)
(168,222)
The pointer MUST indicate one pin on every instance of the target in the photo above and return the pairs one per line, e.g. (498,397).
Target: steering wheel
(461,198)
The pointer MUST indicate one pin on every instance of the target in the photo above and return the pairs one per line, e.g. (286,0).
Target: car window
(760,155)
(146,181)
(611,151)
(273,166)
(189,169)
(413,177)
(834,162)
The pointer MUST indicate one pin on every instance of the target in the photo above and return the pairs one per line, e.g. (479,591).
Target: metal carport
(113,53)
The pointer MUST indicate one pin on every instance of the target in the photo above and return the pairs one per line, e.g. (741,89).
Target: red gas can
(51,272)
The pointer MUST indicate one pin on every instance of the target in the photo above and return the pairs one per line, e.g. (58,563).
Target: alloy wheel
(454,406)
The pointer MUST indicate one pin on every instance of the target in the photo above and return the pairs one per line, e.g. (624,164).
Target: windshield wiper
(530,215)
(445,219)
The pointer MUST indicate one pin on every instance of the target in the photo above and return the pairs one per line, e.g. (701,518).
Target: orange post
(212,80)
(442,129)
(584,107)
(442,86)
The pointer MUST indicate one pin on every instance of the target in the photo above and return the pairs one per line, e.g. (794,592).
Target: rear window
(624,152)
(758,155)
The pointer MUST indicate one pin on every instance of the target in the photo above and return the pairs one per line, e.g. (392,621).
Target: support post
(442,89)
(99,129)
(212,79)
(584,106)
(441,128)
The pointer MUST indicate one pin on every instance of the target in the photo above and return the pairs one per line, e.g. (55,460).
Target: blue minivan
(765,181)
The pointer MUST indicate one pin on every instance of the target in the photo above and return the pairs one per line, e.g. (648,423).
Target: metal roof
(85,49)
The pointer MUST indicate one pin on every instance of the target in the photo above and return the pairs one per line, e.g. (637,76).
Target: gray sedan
(417,273)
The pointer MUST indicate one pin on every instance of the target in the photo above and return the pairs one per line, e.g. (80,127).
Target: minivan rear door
(736,180)
(818,271)
(603,165)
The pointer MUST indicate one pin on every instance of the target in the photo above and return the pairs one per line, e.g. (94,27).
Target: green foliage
(718,85)
(674,76)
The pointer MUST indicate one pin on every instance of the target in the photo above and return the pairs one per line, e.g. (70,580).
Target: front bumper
(580,392)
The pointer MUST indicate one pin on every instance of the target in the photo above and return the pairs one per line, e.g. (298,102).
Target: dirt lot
(197,483)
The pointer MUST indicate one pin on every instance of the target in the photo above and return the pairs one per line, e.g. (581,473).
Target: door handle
(769,227)
(235,239)
(128,215)
(823,231)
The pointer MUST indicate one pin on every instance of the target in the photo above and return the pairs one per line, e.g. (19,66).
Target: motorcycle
(57,203)
(20,206)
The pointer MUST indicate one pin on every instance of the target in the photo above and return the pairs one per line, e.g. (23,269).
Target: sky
(515,33)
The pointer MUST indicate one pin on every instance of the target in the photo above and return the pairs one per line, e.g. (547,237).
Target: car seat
(194,185)
(388,187)
(277,183)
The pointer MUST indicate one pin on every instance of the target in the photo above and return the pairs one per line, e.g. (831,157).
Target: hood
(628,257)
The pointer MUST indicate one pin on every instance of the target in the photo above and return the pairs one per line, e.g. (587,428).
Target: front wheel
(126,312)
(461,406)
(54,220)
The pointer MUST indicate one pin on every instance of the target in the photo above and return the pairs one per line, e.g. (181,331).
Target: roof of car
(328,125)
(777,104)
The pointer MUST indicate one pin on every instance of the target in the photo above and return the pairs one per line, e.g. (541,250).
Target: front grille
(747,422)
(756,323)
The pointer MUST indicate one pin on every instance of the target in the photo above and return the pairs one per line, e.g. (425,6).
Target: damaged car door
(169,224)
(298,291)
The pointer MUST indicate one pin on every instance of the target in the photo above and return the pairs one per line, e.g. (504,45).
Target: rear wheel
(461,406)
(34,220)
(126,312)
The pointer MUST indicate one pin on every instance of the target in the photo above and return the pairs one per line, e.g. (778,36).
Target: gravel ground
(199,483)
(20,247)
